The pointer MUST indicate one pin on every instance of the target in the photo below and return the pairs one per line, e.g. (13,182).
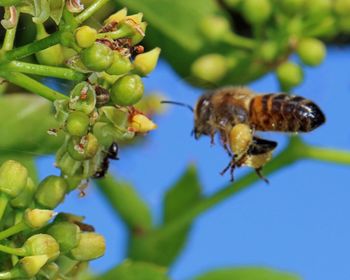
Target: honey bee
(236,113)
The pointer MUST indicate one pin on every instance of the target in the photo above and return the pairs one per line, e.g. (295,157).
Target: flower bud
(268,51)
(68,165)
(77,124)
(51,191)
(85,36)
(13,178)
(91,246)
(66,234)
(291,7)
(117,17)
(215,27)
(289,75)
(83,148)
(342,7)
(97,57)
(140,123)
(83,98)
(52,56)
(311,51)
(256,11)
(145,63)
(136,18)
(42,244)
(24,199)
(317,8)
(121,65)
(29,266)
(37,218)
(210,67)
(127,90)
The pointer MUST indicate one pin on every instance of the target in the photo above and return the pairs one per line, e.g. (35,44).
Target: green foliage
(135,270)
(247,273)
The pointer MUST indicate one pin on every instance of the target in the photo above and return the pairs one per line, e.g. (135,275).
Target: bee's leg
(231,166)
(261,176)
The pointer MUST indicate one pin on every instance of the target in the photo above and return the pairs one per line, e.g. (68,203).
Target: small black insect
(112,153)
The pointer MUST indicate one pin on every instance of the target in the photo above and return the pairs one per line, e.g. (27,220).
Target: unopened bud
(121,65)
(29,266)
(117,17)
(91,246)
(51,191)
(140,123)
(140,33)
(13,178)
(24,199)
(66,234)
(256,11)
(77,123)
(289,75)
(136,18)
(37,218)
(127,90)
(215,27)
(210,67)
(311,51)
(85,36)
(83,148)
(42,244)
(145,63)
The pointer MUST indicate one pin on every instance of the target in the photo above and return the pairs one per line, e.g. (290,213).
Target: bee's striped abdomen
(282,112)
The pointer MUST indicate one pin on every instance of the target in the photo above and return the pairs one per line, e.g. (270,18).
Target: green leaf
(128,204)
(163,249)
(24,121)
(247,273)
(129,270)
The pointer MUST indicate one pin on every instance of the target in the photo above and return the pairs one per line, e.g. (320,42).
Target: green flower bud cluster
(100,111)
(35,246)
(239,49)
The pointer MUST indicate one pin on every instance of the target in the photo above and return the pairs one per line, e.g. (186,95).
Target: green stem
(120,33)
(13,251)
(287,157)
(10,36)
(31,48)
(43,70)
(32,85)
(89,11)
(13,230)
(238,41)
(3,204)
(328,155)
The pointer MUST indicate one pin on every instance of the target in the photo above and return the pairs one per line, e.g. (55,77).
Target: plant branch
(327,155)
(10,36)
(32,85)
(89,11)
(43,70)
(31,48)
(13,230)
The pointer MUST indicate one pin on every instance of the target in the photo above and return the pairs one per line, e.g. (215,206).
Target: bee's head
(202,116)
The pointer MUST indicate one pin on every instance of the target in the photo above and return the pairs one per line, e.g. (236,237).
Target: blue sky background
(299,223)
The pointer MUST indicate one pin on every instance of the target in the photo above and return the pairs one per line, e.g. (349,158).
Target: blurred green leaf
(25,120)
(161,249)
(247,273)
(135,271)
(128,204)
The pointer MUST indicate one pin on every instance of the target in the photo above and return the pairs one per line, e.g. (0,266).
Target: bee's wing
(261,146)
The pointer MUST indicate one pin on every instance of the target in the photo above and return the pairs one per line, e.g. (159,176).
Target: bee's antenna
(178,103)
